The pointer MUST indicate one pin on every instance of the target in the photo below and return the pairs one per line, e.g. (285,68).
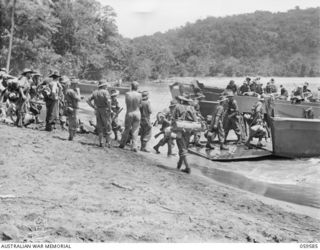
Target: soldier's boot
(156,147)
(259,144)
(63,125)
(70,138)
(115,132)
(197,141)
(108,140)
(179,162)
(144,147)
(209,145)
(238,140)
(101,144)
(48,127)
(160,144)
(20,120)
(187,169)
(37,121)
(223,147)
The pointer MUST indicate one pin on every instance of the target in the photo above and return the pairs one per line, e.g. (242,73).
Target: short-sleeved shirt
(101,98)
(72,98)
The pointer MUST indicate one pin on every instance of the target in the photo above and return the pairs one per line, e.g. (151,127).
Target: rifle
(117,114)
(157,135)
(155,123)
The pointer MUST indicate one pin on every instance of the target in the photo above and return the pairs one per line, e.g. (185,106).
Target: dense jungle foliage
(81,38)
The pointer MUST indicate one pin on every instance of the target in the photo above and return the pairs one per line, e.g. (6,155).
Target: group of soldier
(26,93)
(61,95)
(253,87)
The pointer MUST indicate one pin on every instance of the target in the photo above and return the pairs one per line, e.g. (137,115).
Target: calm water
(295,181)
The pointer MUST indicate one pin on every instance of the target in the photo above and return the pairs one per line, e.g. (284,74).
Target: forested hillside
(81,38)
(262,43)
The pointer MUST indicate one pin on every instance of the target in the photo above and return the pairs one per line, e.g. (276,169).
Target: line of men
(62,96)
(137,120)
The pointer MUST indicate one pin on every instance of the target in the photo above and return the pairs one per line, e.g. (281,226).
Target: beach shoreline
(54,190)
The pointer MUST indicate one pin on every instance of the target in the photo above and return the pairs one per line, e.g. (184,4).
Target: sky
(146,17)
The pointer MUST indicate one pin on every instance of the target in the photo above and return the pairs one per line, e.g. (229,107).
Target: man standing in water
(102,107)
(133,117)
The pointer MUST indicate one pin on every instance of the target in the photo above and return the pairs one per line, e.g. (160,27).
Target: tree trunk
(11,35)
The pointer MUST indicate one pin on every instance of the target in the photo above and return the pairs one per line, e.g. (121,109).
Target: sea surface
(296,181)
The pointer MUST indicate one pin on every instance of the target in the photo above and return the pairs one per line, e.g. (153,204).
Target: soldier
(244,88)
(183,111)
(24,89)
(267,89)
(232,87)
(133,116)
(115,108)
(232,117)
(165,121)
(253,86)
(72,99)
(259,89)
(102,107)
(5,80)
(283,93)
(51,93)
(196,105)
(35,108)
(216,127)
(145,124)
(257,125)
(273,87)
(306,92)
(257,110)
(65,85)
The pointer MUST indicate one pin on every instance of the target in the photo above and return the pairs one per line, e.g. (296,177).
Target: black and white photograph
(159,121)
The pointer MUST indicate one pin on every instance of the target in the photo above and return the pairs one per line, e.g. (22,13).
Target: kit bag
(184,125)
(191,126)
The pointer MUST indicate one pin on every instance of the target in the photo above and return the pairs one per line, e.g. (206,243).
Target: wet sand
(53,190)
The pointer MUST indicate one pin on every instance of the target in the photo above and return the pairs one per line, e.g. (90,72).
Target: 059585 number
(309,245)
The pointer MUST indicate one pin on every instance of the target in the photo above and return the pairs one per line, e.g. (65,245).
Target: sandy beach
(53,190)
